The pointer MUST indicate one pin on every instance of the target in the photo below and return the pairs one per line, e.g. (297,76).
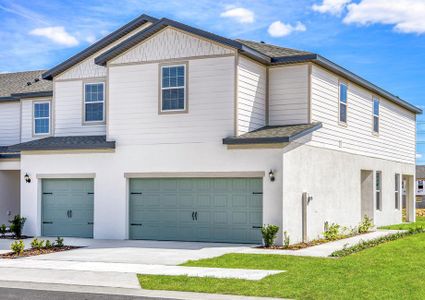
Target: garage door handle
(47,222)
(90,223)
(257,193)
(193,215)
(90,193)
(135,224)
(196,216)
(256,227)
(134,193)
(47,193)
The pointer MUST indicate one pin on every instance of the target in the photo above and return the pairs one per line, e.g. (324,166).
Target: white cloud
(418,155)
(240,14)
(333,7)
(56,34)
(90,38)
(279,29)
(407,16)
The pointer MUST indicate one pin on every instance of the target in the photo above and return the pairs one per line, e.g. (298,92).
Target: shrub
(332,231)
(17,224)
(48,244)
(37,244)
(365,225)
(3,229)
(59,242)
(269,233)
(17,247)
(286,240)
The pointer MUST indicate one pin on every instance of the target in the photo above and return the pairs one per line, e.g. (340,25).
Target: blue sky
(381,40)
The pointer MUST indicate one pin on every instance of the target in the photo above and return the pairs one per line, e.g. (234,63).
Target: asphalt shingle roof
(65,143)
(23,82)
(272,50)
(273,134)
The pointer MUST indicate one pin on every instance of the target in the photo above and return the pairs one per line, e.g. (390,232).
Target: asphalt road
(28,294)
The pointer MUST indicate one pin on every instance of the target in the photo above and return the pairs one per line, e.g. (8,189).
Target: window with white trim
(343,89)
(397,191)
(375,115)
(94,102)
(173,88)
(41,118)
(378,190)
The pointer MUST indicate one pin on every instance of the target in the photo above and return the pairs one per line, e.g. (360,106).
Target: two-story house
(167,132)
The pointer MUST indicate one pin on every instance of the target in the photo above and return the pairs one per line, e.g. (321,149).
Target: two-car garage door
(196,209)
(179,209)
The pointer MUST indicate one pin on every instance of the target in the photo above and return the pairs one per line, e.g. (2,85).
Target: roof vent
(29,83)
(37,80)
(262,42)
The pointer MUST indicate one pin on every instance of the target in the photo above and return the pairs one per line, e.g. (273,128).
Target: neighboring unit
(167,132)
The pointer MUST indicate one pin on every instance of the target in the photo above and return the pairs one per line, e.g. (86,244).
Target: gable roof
(272,51)
(14,86)
(164,22)
(99,45)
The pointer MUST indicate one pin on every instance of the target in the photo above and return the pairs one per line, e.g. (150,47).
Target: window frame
(375,98)
(36,118)
(378,192)
(397,191)
(185,87)
(340,103)
(96,122)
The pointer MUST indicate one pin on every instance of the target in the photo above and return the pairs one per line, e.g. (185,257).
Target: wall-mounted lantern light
(271,176)
(27,178)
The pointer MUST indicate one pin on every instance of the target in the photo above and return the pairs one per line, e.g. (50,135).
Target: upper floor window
(173,88)
(343,102)
(41,118)
(94,102)
(375,115)
(397,191)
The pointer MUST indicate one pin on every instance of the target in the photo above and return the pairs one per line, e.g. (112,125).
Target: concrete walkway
(324,250)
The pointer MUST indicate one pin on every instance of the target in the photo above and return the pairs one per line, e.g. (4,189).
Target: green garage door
(196,209)
(67,207)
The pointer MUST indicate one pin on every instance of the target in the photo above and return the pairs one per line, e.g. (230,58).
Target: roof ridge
(29,71)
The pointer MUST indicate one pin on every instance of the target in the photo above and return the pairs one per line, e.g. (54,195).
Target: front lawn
(420,221)
(393,270)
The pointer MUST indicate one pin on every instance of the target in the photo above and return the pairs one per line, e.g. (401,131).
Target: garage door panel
(207,209)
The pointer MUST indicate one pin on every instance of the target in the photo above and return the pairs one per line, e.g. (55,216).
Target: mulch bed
(35,252)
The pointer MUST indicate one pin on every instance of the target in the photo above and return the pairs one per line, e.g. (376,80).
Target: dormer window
(173,88)
(94,102)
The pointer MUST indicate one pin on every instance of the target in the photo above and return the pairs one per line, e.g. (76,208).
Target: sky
(380,40)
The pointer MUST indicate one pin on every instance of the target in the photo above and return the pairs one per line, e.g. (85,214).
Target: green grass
(420,221)
(393,270)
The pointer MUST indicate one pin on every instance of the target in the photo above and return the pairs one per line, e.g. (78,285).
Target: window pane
(343,93)
(94,111)
(376,107)
(343,113)
(41,110)
(173,99)
(41,126)
(376,124)
(378,200)
(94,92)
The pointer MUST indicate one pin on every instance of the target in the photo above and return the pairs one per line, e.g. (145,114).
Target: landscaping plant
(286,240)
(37,244)
(269,233)
(3,230)
(49,244)
(365,225)
(17,247)
(59,242)
(332,231)
(17,224)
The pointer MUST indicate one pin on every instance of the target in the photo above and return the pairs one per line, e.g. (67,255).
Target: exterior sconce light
(27,178)
(271,176)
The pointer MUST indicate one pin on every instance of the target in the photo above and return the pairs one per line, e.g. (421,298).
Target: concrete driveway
(140,252)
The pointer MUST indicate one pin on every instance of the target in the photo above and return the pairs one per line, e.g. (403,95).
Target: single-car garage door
(196,209)
(67,207)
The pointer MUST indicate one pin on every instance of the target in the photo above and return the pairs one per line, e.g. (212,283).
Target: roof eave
(33,94)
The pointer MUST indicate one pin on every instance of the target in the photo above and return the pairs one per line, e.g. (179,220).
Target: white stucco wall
(110,207)
(333,179)
(9,195)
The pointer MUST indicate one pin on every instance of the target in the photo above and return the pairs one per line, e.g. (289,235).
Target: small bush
(59,242)
(365,225)
(3,229)
(17,247)
(286,240)
(332,231)
(269,233)
(17,224)
(37,244)
(48,244)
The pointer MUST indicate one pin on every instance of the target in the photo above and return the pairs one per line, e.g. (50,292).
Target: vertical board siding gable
(9,123)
